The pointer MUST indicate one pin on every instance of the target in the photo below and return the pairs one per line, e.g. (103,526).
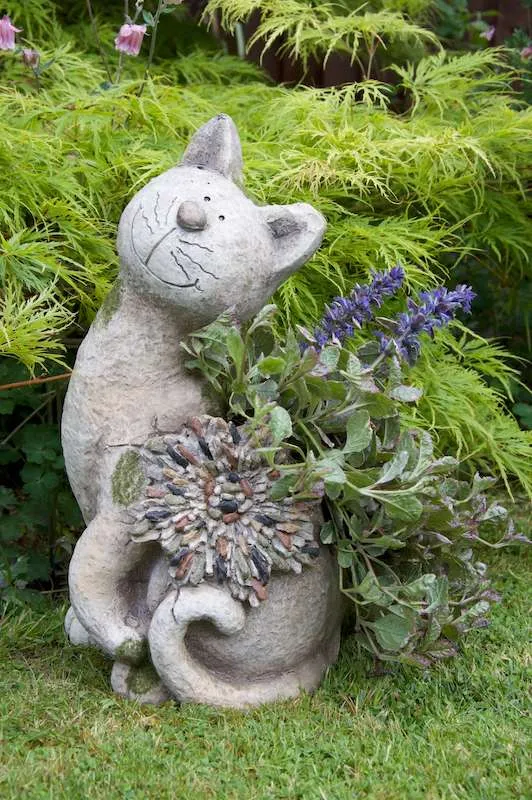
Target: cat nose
(191,216)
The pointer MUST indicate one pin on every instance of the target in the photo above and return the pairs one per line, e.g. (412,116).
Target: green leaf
(326,390)
(399,505)
(385,542)
(263,318)
(148,18)
(39,480)
(328,532)
(331,467)
(280,424)
(266,391)
(379,406)
(423,457)
(406,394)
(359,432)
(329,357)
(281,487)
(236,347)
(392,631)
(394,468)
(345,558)
(7,498)
(271,365)
(353,367)
(370,590)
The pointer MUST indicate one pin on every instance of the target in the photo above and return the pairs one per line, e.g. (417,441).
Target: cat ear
(216,145)
(297,231)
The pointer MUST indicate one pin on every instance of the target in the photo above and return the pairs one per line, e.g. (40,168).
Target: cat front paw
(76,633)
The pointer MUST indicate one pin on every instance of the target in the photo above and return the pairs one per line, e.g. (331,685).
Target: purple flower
(7,33)
(129,39)
(488,34)
(434,309)
(526,53)
(30,58)
(345,314)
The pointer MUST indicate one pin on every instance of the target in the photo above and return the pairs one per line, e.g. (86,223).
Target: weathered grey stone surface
(191,246)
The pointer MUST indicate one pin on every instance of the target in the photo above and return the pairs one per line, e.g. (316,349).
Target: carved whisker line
(168,211)
(206,271)
(161,240)
(195,244)
(133,246)
(146,220)
(194,285)
(185,273)
(155,214)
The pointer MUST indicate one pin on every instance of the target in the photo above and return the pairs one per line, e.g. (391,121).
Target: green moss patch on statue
(128,479)
(110,304)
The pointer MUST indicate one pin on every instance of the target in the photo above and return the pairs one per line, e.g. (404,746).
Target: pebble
(157,513)
(173,500)
(197,571)
(287,527)
(228,506)
(184,566)
(204,448)
(260,590)
(156,444)
(246,488)
(141,527)
(155,473)
(285,540)
(214,513)
(233,516)
(177,456)
(155,491)
(222,546)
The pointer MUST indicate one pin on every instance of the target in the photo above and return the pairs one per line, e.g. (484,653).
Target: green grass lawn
(458,731)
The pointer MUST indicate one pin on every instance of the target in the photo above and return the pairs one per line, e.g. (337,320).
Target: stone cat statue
(191,246)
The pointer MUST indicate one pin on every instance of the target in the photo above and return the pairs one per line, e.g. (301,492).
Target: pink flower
(30,57)
(488,34)
(129,39)
(7,33)
(526,52)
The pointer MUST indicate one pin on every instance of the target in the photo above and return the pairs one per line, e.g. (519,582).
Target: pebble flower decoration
(208,504)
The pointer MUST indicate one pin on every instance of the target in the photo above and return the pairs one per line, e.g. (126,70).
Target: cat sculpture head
(192,239)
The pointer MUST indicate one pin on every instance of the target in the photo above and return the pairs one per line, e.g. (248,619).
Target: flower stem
(98,40)
(160,8)
(121,55)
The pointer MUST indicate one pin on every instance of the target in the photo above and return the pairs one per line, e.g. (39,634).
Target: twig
(240,39)
(24,421)
(98,40)
(160,6)
(34,381)
(372,48)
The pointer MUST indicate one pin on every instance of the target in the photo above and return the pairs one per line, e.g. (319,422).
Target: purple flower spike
(434,309)
(345,314)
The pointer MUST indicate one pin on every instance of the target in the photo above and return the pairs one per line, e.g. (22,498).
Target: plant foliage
(405,523)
